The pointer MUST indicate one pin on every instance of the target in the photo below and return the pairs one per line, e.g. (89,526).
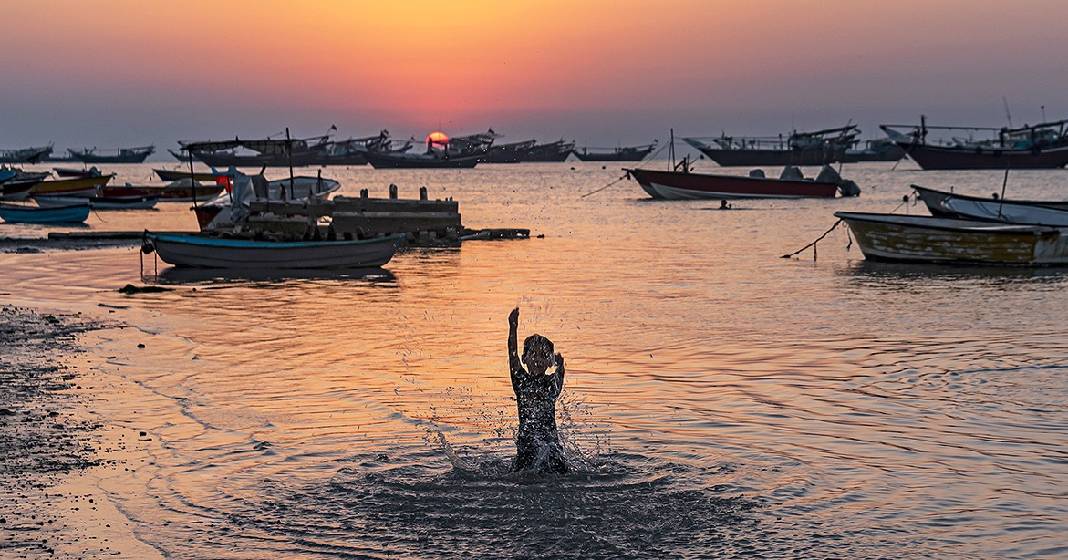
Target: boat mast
(192,177)
(671,147)
(289,152)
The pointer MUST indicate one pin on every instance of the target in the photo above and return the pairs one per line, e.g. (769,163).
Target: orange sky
(600,71)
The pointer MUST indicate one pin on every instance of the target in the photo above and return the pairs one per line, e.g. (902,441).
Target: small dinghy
(951,205)
(199,251)
(23,214)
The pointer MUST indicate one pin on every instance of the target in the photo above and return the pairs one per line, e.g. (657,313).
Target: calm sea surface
(719,400)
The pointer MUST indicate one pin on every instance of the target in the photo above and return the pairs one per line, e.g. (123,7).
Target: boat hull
(101,202)
(621,155)
(172,175)
(551,152)
(771,158)
(81,187)
(945,158)
(407,161)
(207,252)
(71,214)
(950,205)
(925,239)
(676,185)
(299,159)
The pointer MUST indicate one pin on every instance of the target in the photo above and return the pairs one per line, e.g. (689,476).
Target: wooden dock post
(392,191)
(422,193)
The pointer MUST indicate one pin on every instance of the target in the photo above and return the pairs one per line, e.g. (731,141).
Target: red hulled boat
(686,185)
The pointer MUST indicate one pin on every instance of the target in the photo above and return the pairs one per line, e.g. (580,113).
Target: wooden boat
(25,214)
(214,252)
(508,153)
(874,150)
(68,172)
(177,175)
(927,239)
(25,155)
(120,155)
(951,205)
(81,187)
(100,202)
(686,185)
(817,147)
(633,153)
(1042,146)
(551,151)
(436,160)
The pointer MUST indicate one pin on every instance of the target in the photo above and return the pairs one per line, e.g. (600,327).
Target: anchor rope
(813,244)
(626,175)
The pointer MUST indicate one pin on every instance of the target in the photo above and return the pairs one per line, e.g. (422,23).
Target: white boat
(926,239)
(214,252)
(951,205)
(230,208)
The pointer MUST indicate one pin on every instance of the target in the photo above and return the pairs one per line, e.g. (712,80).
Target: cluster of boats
(86,155)
(35,197)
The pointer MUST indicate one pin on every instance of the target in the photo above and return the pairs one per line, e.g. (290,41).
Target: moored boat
(687,185)
(68,172)
(25,155)
(1042,146)
(80,187)
(26,214)
(436,160)
(100,202)
(632,153)
(177,175)
(512,152)
(817,147)
(951,205)
(926,239)
(119,155)
(214,252)
(555,151)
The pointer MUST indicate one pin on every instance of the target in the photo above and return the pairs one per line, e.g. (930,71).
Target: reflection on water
(724,401)
(179,276)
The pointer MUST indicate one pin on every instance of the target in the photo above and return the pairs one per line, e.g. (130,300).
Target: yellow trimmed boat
(80,187)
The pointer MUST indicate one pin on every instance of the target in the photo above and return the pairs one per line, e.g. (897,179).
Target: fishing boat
(508,153)
(176,191)
(1042,146)
(100,202)
(950,205)
(817,147)
(557,151)
(18,184)
(927,239)
(119,155)
(266,152)
(26,214)
(632,153)
(199,251)
(433,160)
(25,155)
(178,174)
(81,187)
(683,184)
(882,149)
(228,209)
(68,172)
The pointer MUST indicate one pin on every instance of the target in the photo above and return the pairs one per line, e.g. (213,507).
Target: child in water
(537,443)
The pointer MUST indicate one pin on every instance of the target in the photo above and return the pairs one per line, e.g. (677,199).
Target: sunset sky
(125,72)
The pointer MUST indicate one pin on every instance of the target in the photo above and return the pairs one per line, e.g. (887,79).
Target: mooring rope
(649,157)
(595,191)
(813,244)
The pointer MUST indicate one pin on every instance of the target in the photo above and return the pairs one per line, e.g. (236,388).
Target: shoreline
(55,449)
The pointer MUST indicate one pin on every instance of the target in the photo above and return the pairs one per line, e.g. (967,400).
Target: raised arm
(558,377)
(514,364)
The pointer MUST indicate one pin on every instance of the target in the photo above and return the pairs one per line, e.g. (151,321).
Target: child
(537,443)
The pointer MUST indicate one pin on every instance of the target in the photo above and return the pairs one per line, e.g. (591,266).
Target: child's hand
(513,317)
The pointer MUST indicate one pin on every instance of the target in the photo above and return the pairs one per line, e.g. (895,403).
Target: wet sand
(52,446)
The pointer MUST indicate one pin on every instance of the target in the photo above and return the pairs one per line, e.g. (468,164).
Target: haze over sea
(720,400)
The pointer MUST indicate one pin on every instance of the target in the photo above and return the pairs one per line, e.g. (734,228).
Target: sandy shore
(53,449)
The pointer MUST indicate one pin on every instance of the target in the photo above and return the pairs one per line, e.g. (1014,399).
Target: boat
(228,209)
(508,153)
(73,172)
(686,185)
(176,191)
(178,174)
(950,205)
(433,160)
(119,155)
(633,153)
(557,150)
(267,152)
(18,184)
(1042,146)
(817,147)
(25,214)
(198,251)
(928,239)
(882,149)
(80,187)
(25,155)
(100,202)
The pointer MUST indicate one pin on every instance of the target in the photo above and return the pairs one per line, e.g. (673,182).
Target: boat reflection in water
(222,277)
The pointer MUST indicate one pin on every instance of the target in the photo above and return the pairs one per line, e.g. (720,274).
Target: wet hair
(538,343)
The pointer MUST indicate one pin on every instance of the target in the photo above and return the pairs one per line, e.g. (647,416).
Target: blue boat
(20,214)
(198,251)
(7,174)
